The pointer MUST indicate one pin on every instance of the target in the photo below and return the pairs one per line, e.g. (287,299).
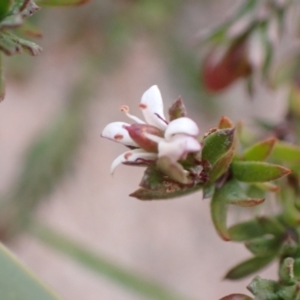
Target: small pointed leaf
(256,228)
(260,151)
(289,292)
(263,246)
(152,179)
(177,110)
(217,144)
(225,123)
(253,171)
(208,191)
(263,288)
(286,271)
(245,231)
(218,150)
(248,267)
(233,194)
(168,190)
(218,210)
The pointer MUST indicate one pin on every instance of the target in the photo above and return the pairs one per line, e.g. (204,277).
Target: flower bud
(234,64)
(138,132)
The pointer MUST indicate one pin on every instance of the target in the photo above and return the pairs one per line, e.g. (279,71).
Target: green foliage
(62,2)
(248,267)
(102,266)
(253,171)
(18,283)
(218,150)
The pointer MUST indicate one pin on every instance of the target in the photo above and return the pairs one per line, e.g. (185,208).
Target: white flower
(154,138)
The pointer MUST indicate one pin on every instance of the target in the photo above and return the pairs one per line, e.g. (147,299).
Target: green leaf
(252,171)
(62,2)
(217,144)
(218,151)
(18,283)
(256,228)
(4,8)
(168,190)
(286,271)
(289,292)
(248,267)
(264,289)
(233,194)
(147,288)
(297,268)
(218,210)
(208,191)
(2,83)
(260,151)
(286,152)
(245,231)
(263,246)
(236,297)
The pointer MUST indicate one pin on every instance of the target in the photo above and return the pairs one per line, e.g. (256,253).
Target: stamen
(161,118)
(125,109)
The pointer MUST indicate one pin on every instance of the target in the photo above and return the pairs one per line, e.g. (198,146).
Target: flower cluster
(156,141)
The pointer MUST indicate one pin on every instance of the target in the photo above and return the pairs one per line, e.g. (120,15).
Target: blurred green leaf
(263,246)
(248,267)
(218,210)
(236,297)
(245,231)
(18,283)
(168,190)
(126,278)
(264,289)
(4,8)
(234,194)
(297,268)
(2,82)
(252,171)
(260,151)
(286,152)
(62,2)
(286,271)
(208,191)
(289,292)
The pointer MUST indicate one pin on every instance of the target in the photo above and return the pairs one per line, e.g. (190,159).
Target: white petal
(178,147)
(115,131)
(132,156)
(182,125)
(152,108)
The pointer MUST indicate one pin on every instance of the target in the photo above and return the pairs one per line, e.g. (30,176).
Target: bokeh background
(55,167)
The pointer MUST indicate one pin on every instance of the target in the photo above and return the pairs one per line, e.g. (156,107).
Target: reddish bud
(138,133)
(234,64)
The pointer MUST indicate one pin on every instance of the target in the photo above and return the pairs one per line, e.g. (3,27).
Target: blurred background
(55,167)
